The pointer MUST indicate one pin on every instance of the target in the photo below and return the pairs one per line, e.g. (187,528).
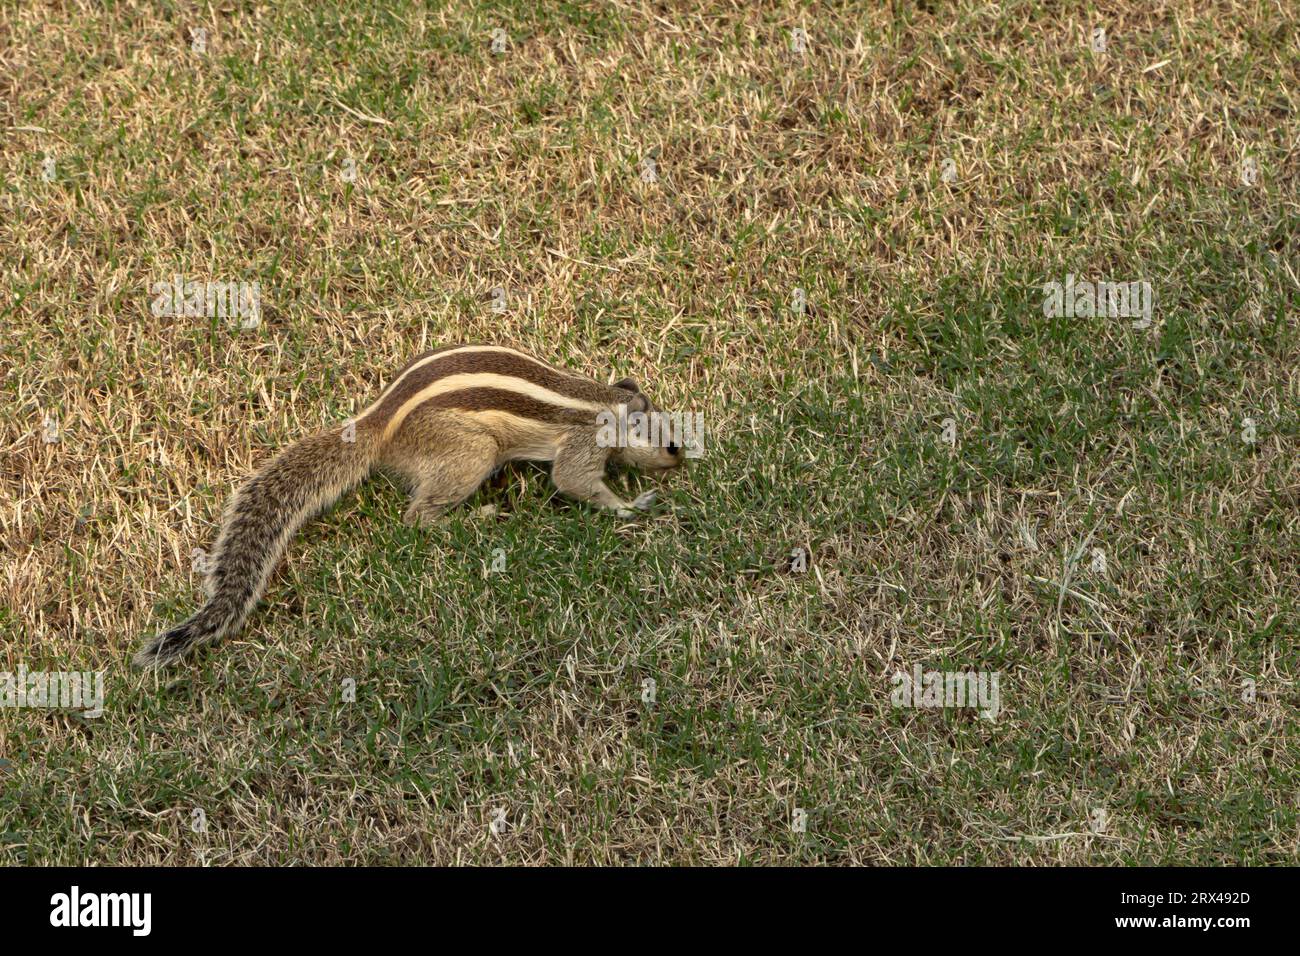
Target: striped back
(477,378)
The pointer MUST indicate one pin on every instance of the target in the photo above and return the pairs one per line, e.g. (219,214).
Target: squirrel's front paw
(640,503)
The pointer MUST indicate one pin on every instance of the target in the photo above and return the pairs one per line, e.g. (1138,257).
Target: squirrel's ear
(627,384)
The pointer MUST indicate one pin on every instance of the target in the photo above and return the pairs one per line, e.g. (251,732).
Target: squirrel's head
(648,438)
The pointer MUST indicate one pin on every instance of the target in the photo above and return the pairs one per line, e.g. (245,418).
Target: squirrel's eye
(673,448)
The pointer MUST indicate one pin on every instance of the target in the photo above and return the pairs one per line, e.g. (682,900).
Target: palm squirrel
(447,421)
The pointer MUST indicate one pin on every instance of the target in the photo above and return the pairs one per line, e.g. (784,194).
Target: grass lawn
(825,227)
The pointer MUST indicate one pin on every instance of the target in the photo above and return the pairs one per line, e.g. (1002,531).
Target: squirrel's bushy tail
(265,513)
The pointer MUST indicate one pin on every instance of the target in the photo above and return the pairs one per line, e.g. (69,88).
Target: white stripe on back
(441,355)
(508,383)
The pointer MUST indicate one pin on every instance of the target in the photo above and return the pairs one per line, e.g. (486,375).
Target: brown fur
(444,449)
(499,363)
